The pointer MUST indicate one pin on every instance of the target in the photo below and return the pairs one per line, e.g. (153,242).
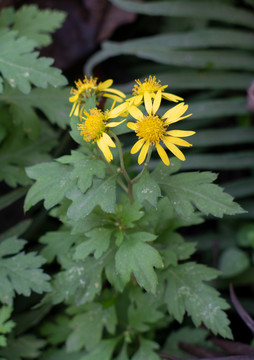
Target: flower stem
(119,180)
(121,157)
(133,181)
(123,170)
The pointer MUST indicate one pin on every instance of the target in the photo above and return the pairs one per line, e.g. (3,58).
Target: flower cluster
(151,129)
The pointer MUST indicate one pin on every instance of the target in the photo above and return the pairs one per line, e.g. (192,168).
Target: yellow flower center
(150,85)
(85,89)
(151,128)
(94,125)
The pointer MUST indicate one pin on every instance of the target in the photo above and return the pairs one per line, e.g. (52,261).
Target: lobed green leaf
(186,292)
(53,181)
(22,67)
(102,193)
(189,190)
(194,9)
(21,272)
(136,256)
(37,24)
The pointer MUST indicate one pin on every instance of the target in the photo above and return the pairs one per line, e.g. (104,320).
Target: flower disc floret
(95,125)
(152,129)
(89,87)
(150,86)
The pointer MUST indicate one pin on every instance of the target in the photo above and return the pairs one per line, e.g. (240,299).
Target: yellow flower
(89,87)
(151,129)
(150,86)
(95,126)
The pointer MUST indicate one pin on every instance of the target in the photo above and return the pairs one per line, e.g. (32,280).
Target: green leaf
(245,235)
(52,102)
(27,346)
(31,317)
(53,181)
(82,336)
(123,355)
(203,59)
(37,24)
(98,243)
(174,248)
(17,151)
(233,256)
(223,136)
(80,282)
(137,257)
(146,351)
(20,272)
(5,324)
(112,276)
(104,350)
(186,292)
(57,243)
(143,310)
(240,188)
(147,189)
(223,161)
(85,168)
(208,79)
(7,17)
(16,230)
(95,318)
(195,39)
(102,193)
(56,354)
(22,67)
(11,197)
(184,334)
(194,9)
(127,213)
(56,332)
(189,190)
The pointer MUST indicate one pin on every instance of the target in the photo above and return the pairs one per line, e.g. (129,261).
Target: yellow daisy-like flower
(95,125)
(150,86)
(89,87)
(151,129)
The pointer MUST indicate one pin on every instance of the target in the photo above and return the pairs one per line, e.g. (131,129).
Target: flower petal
(135,112)
(163,154)
(174,149)
(171,97)
(105,84)
(132,126)
(117,111)
(180,133)
(114,97)
(175,112)
(171,121)
(72,109)
(108,140)
(76,112)
(138,100)
(117,92)
(143,153)
(136,147)
(157,102)
(105,149)
(177,141)
(114,123)
(148,102)
(73,98)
